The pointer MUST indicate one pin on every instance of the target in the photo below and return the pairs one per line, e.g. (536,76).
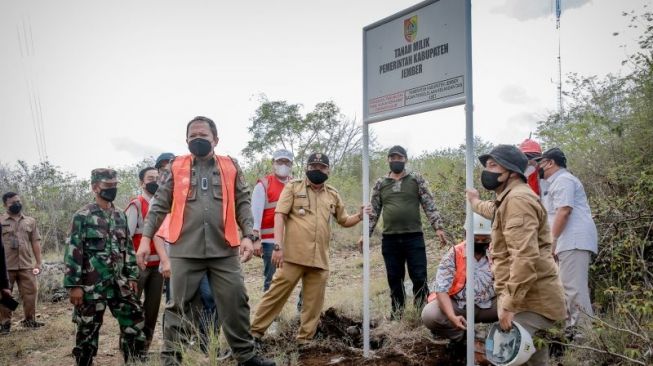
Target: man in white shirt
(574,233)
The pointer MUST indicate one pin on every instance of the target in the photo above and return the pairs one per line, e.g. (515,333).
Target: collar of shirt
(308,184)
(403,176)
(7,217)
(505,192)
(556,175)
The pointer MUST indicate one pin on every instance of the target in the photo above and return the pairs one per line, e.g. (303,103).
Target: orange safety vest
(273,188)
(141,204)
(181,171)
(460,278)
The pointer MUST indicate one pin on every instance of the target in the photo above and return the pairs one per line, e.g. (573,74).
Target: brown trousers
(150,283)
(27,289)
(285,279)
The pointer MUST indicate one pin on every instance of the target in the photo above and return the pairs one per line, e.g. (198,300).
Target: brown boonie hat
(102,174)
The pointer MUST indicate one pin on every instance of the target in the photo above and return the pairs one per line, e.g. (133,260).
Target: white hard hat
(511,348)
(482,226)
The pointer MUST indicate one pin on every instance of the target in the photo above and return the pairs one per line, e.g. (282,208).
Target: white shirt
(565,190)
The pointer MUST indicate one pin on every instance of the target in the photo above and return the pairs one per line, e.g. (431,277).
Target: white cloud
(525,10)
(516,94)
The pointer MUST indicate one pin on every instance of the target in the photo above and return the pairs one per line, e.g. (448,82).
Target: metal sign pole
(469,183)
(366,244)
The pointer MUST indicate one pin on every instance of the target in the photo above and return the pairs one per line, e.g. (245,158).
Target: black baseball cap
(556,155)
(398,150)
(318,158)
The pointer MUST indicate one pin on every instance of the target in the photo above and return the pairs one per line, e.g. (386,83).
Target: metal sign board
(414,61)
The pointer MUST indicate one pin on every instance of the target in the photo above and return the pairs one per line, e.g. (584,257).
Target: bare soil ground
(338,341)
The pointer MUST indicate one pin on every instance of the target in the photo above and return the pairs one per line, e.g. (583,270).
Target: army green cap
(102,175)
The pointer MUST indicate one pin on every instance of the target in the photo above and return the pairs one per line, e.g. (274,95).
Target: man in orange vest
(533,152)
(445,313)
(208,200)
(150,280)
(264,202)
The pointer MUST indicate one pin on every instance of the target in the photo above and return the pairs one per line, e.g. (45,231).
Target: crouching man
(445,312)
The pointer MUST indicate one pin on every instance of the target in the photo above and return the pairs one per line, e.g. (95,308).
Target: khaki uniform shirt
(17,238)
(202,233)
(308,222)
(525,274)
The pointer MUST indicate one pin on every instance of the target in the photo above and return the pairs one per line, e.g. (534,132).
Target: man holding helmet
(526,278)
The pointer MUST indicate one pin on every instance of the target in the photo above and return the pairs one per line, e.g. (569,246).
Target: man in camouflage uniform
(101,271)
(398,196)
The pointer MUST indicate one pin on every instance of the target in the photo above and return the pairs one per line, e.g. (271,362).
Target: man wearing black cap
(302,231)
(574,233)
(526,277)
(398,197)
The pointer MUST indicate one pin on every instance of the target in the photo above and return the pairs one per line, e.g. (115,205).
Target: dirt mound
(339,341)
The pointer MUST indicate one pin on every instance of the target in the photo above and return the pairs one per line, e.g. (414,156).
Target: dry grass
(53,343)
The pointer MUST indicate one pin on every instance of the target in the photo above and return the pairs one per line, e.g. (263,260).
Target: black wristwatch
(277,247)
(252,237)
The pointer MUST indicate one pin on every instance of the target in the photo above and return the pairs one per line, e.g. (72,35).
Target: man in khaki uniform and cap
(22,243)
(302,230)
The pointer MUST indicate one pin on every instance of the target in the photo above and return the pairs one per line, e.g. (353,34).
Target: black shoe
(257,361)
(31,323)
(5,328)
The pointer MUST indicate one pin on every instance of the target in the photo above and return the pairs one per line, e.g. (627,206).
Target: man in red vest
(264,202)
(445,313)
(208,200)
(533,152)
(150,280)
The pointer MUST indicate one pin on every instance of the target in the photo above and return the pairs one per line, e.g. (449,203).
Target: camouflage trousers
(124,306)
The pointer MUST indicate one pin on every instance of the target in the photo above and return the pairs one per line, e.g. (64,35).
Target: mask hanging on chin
(199,147)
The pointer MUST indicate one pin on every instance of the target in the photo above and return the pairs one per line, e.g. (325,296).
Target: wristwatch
(252,237)
(277,247)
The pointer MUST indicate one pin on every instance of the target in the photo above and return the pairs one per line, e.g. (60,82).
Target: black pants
(398,251)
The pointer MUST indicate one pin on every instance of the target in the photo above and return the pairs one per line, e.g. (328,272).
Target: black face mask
(316,176)
(199,147)
(397,166)
(108,194)
(540,173)
(490,180)
(151,187)
(15,208)
(481,248)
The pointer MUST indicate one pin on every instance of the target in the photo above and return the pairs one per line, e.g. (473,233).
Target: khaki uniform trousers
(285,279)
(27,289)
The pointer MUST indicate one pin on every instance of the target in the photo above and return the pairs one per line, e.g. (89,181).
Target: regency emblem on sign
(410,28)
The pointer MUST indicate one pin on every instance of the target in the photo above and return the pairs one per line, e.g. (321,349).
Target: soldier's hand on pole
(76,295)
(246,249)
(133,285)
(143,252)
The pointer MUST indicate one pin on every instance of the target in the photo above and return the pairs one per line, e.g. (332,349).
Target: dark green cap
(102,174)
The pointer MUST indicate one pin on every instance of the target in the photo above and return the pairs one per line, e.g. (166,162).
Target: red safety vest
(534,182)
(181,170)
(273,188)
(142,206)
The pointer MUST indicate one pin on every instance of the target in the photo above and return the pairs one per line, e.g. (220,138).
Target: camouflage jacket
(399,201)
(99,250)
